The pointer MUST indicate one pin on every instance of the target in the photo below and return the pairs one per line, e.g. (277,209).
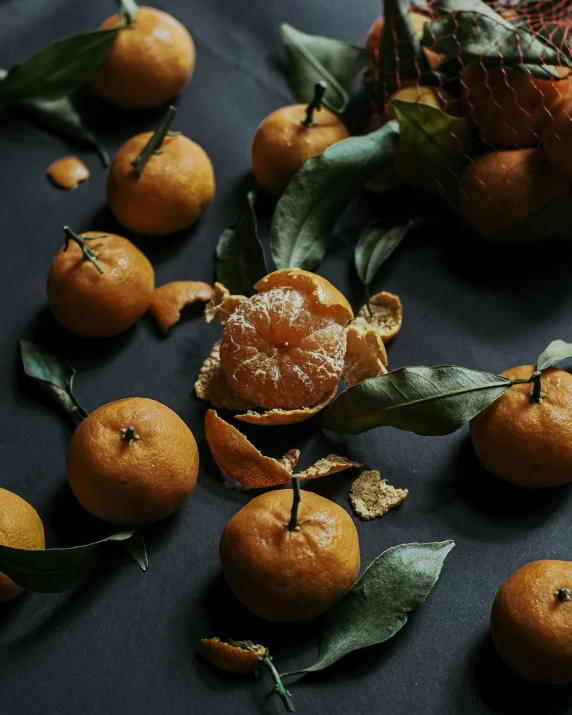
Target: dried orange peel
(386,316)
(238,657)
(238,458)
(168,300)
(257,369)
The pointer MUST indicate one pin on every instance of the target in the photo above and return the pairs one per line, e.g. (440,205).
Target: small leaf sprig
(88,253)
(430,401)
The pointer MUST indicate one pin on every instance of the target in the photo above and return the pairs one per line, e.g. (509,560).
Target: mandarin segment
(168,300)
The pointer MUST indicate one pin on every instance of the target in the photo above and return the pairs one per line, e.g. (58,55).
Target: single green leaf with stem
(137,548)
(377,606)
(285,696)
(55,570)
(318,193)
(240,261)
(557,351)
(312,58)
(153,146)
(128,9)
(424,400)
(88,253)
(54,374)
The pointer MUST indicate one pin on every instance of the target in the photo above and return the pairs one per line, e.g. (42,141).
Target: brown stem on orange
(89,254)
(563,594)
(129,435)
(280,689)
(536,395)
(316,103)
(153,146)
(293,524)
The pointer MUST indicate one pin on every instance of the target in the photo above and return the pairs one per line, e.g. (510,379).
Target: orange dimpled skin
(524,442)
(150,61)
(133,483)
(284,575)
(531,626)
(173,191)
(282,143)
(20,528)
(98,305)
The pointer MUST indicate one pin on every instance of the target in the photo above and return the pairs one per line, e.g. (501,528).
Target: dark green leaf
(377,606)
(138,549)
(55,570)
(128,10)
(436,144)
(54,374)
(58,70)
(312,58)
(553,220)
(309,207)
(401,56)
(473,30)
(423,400)
(376,243)
(240,261)
(557,351)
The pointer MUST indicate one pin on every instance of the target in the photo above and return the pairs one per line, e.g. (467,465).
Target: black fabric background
(124,643)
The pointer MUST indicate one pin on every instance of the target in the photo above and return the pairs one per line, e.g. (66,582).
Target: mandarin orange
(150,62)
(99,285)
(418,21)
(20,528)
(133,461)
(531,622)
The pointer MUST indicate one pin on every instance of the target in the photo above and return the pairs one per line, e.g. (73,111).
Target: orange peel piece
(311,284)
(238,458)
(365,355)
(238,657)
(211,385)
(68,173)
(290,459)
(328,465)
(371,496)
(168,300)
(275,417)
(387,315)
(222,304)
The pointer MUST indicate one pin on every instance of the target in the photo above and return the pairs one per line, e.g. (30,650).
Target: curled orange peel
(238,657)
(365,355)
(387,315)
(211,385)
(276,417)
(238,458)
(222,304)
(168,300)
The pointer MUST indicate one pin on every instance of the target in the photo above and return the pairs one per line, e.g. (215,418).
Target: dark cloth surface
(125,643)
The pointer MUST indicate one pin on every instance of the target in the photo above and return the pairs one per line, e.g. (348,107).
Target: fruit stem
(316,103)
(153,146)
(128,9)
(293,524)
(280,689)
(129,435)
(536,395)
(89,254)
(563,594)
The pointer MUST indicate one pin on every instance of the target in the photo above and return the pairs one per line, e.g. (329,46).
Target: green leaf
(54,374)
(137,548)
(312,58)
(557,351)
(376,243)
(240,261)
(553,220)
(128,9)
(309,207)
(436,144)
(55,570)
(58,70)
(377,606)
(473,30)
(401,56)
(423,400)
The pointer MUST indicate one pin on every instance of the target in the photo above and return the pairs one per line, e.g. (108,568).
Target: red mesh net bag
(483,96)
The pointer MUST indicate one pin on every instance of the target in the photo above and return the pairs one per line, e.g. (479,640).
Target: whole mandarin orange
(97,304)
(528,443)
(418,21)
(20,528)
(151,61)
(285,346)
(288,137)
(172,191)
(290,575)
(133,461)
(557,138)
(531,622)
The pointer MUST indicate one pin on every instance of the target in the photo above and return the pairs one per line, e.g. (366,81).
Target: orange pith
(280,349)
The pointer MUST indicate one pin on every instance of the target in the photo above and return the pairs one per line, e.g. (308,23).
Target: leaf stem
(153,146)
(315,105)
(89,254)
(293,524)
(280,689)
(367,299)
